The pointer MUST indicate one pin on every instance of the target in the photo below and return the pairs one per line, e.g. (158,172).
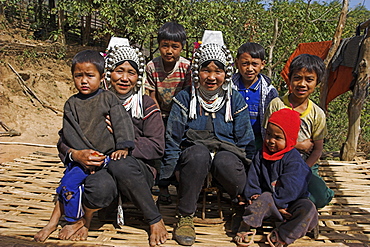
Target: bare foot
(44,233)
(69,229)
(80,235)
(158,234)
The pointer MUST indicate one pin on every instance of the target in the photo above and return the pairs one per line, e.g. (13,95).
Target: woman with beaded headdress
(134,175)
(208,130)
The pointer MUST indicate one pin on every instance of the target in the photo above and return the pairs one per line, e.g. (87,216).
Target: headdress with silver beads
(212,48)
(212,51)
(119,50)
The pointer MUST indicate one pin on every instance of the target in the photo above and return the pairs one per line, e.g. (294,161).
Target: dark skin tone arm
(88,158)
(314,148)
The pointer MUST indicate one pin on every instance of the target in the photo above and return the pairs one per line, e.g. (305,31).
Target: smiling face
(124,78)
(275,138)
(249,68)
(211,77)
(87,78)
(170,51)
(302,84)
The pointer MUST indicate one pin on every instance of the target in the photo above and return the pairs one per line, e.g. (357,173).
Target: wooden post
(333,49)
(61,37)
(349,148)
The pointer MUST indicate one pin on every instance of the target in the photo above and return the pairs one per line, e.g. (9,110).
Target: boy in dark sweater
(277,185)
(84,127)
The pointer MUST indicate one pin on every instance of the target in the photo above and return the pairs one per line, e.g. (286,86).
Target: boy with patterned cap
(208,131)
(84,127)
(277,185)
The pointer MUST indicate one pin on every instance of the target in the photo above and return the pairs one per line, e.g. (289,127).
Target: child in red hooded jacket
(277,185)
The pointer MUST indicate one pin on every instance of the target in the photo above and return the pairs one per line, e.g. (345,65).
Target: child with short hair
(305,73)
(277,185)
(84,127)
(167,75)
(255,87)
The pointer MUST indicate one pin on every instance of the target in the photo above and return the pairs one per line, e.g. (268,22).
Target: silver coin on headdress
(120,52)
(212,48)
(212,51)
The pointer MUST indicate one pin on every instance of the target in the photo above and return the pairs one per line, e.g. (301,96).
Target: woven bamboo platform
(27,192)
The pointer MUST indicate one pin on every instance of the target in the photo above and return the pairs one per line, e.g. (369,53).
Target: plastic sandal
(245,238)
(274,240)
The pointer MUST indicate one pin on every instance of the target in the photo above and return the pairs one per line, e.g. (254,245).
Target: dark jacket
(287,179)
(237,132)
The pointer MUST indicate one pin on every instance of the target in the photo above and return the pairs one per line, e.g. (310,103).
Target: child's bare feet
(158,234)
(80,235)
(69,229)
(51,226)
(44,233)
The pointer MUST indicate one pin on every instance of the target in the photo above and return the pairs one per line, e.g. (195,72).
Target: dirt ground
(36,64)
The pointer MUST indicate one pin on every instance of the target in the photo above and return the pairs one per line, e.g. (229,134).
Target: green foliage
(278,25)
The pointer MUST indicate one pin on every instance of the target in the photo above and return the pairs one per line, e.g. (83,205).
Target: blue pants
(72,184)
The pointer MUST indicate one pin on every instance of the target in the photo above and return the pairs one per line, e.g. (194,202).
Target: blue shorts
(72,185)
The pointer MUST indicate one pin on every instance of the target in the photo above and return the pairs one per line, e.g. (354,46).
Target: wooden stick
(30,93)
(9,131)
(365,24)
(29,144)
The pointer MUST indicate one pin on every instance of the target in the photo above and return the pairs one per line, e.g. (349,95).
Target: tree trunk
(62,37)
(272,46)
(333,49)
(1,11)
(85,29)
(349,148)
(53,17)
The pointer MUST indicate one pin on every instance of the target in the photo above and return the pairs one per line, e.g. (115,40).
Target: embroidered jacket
(237,132)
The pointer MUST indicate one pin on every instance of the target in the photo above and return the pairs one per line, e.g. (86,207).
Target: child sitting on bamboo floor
(305,73)
(277,185)
(84,127)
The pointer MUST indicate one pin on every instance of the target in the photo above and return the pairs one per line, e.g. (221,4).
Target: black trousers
(130,177)
(195,163)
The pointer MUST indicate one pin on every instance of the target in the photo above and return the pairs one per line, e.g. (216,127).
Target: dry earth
(49,79)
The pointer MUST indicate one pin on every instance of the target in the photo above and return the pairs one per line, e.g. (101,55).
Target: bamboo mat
(27,192)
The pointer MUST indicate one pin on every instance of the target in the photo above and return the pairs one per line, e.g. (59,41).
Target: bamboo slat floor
(27,192)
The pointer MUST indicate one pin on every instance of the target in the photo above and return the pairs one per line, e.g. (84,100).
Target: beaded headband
(119,53)
(212,48)
(212,51)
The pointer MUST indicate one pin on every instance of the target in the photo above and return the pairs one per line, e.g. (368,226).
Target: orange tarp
(339,81)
